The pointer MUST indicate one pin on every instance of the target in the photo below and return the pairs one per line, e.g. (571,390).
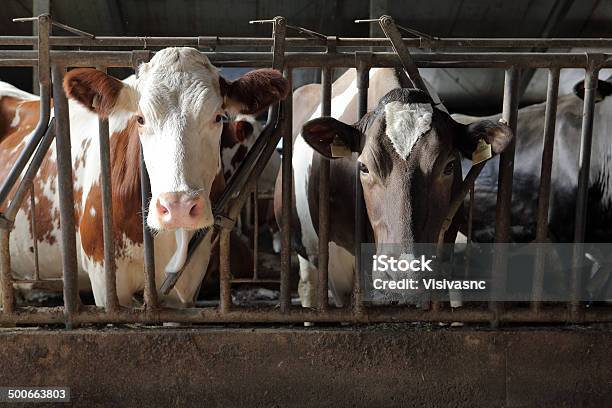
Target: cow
(409,171)
(174,108)
(564,176)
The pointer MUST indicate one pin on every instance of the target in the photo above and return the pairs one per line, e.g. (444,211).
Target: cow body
(387,169)
(564,176)
(174,109)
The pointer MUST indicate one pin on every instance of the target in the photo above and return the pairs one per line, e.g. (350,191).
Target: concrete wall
(371,366)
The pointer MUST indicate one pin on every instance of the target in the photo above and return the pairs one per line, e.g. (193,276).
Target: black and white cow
(409,170)
(528,157)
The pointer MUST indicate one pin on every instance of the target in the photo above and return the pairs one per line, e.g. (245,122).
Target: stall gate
(54,54)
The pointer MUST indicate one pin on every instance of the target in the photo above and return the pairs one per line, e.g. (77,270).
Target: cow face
(179,101)
(409,166)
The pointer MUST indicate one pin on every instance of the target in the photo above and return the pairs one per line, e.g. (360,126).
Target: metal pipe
(212,315)
(362,60)
(225,274)
(287,194)
(548,143)
(34,232)
(324,198)
(584,163)
(320,59)
(215,42)
(6,277)
(255,232)
(66,197)
(110,267)
(504,194)
(150,287)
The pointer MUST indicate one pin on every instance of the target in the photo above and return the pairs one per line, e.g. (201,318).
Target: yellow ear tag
(482,152)
(339,149)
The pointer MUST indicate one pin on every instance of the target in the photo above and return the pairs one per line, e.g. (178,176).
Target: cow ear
(604,89)
(254,92)
(330,137)
(497,135)
(99,92)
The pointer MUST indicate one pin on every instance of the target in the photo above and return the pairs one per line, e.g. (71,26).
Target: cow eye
(140,120)
(363,168)
(448,170)
(221,118)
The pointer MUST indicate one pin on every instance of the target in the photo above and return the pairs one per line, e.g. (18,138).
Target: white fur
(406,122)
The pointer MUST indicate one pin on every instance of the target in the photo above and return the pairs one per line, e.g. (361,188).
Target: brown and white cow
(409,171)
(174,108)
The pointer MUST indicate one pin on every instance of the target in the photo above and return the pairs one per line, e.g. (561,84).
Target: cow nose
(179,210)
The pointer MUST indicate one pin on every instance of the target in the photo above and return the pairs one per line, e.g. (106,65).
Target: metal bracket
(57,24)
(397,42)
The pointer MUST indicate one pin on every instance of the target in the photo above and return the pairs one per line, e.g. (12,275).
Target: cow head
(179,101)
(410,163)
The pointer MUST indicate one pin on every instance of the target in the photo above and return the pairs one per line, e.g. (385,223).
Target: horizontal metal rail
(319,60)
(215,41)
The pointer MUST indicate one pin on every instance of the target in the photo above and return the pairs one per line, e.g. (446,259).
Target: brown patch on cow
(253,92)
(85,84)
(126,200)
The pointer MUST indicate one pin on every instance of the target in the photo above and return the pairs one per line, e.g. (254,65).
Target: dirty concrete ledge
(385,365)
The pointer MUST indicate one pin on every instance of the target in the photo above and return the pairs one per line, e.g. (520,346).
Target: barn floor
(380,365)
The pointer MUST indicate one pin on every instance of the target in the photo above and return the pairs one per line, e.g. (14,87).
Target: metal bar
(584,163)
(212,315)
(150,287)
(544,191)
(34,232)
(504,194)
(389,28)
(287,194)
(225,274)
(255,232)
(318,60)
(6,277)
(110,267)
(362,60)
(216,42)
(66,197)
(324,198)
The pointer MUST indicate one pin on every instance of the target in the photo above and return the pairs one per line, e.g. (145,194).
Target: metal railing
(52,65)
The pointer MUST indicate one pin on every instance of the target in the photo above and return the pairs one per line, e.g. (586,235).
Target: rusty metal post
(584,163)
(544,191)
(66,197)
(150,287)
(287,194)
(110,267)
(504,194)
(34,232)
(362,62)
(6,278)
(225,274)
(324,198)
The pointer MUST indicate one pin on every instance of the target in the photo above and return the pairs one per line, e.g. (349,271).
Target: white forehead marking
(406,122)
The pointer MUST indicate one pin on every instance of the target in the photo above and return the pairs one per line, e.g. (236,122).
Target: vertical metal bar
(326,95)
(34,232)
(110,267)
(584,163)
(255,231)
(225,271)
(363,83)
(66,196)
(504,194)
(38,7)
(287,193)
(544,192)
(150,287)
(6,278)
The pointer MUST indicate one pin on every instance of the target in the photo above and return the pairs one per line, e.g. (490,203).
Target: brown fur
(254,91)
(83,84)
